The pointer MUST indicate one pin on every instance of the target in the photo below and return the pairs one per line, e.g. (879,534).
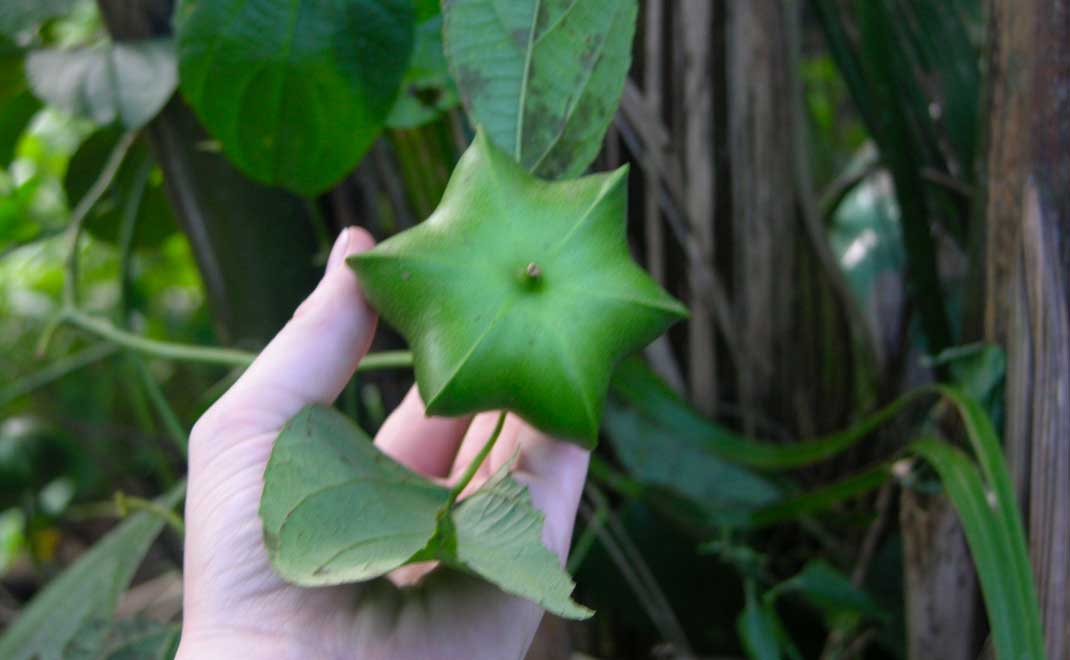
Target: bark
(696,22)
(1028,270)
(938,574)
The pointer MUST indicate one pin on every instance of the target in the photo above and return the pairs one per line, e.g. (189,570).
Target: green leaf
(155,220)
(760,629)
(126,81)
(842,603)
(543,77)
(134,639)
(335,509)
(639,388)
(17,104)
(86,592)
(19,15)
(685,465)
(997,544)
(427,89)
(518,294)
(295,90)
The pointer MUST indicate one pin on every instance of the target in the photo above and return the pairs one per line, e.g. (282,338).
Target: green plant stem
(164,410)
(92,196)
(228,357)
(124,504)
(473,467)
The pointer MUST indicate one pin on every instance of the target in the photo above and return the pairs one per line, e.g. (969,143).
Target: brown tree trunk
(1028,271)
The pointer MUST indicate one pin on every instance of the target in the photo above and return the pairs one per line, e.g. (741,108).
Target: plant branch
(92,196)
(124,504)
(228,357)
(56,371)
(473,467)
(164,411)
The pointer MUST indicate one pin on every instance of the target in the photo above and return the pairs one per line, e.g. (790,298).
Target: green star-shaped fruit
(519,294)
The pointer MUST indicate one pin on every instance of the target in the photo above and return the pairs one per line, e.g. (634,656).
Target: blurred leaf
(543,78)
(155,220)
(17,104)
(979,371)
(636,385)
(16,113)
(12,537)
(125,81)
(335,510)
(684,464)
(760,629)
(821,499)
(997,544)
(825,587)
(33,454)
(86,592)
(296,91)
(19,15)
(134,639)
(427,89)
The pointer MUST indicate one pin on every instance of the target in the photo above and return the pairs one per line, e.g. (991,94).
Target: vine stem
(228,357)
(473,467)
(100,186)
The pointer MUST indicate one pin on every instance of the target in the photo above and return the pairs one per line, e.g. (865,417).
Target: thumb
(311,359)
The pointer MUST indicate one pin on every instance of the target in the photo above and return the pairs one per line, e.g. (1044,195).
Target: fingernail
(338,252)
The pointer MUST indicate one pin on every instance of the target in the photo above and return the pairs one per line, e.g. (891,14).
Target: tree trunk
(1028,271)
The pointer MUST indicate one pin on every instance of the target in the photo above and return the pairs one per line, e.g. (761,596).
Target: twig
(164,411)
(124,504)
(88,201)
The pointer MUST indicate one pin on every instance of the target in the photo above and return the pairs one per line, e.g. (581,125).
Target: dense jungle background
(858,446)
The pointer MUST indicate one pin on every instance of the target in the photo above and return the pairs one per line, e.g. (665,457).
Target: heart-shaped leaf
(128,81)
(519,294)
(295,90)
(542,76)
(335,509)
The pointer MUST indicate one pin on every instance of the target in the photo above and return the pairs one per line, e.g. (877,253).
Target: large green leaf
(126,81)
(335,509)
(518,294)
(86,593)
(842,603)
(543,77)
(684,464)
(295,90)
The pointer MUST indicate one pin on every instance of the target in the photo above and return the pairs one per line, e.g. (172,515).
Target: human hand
(237,607)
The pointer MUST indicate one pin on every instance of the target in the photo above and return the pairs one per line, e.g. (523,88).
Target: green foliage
(518,294)
(134,639)
(295,91)
(84,597)
(543,78)
(135,183)
(427,89)
(19,15)
(336,509)
(127,82)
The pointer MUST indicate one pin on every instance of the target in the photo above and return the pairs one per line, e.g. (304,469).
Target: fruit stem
(473,467)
